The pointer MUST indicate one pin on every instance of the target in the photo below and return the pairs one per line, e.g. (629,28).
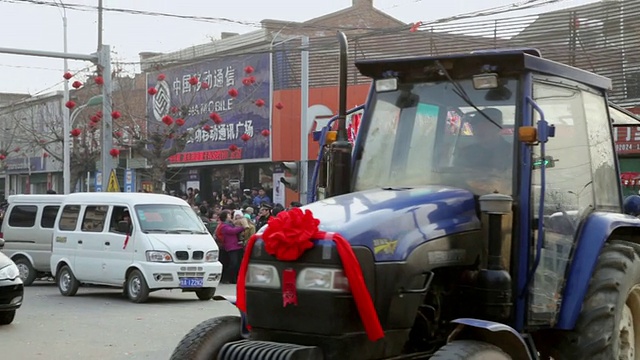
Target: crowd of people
(232,218)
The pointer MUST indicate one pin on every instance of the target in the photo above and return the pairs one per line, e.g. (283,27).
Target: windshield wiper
(146,231)
(459,90)
(180,231)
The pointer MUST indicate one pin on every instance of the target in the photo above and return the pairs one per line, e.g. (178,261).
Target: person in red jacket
(231,243)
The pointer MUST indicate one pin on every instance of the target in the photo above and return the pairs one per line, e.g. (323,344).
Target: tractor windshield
(431,133)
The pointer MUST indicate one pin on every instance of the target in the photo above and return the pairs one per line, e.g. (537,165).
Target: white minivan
(138,241)
(27,229)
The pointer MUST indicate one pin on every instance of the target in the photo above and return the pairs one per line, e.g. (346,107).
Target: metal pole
(52,54)
(304,133)
(107,136)
(66,121)
(99,25)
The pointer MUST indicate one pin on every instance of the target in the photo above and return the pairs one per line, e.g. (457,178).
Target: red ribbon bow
(287,237)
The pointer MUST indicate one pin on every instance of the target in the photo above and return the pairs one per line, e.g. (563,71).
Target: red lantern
(233,148)
(265,132)
(204,85)
(233,92)
(259,103)
(116,115)
(207,127)
(99,114)
(167,120)
(152,91)
(179,122)
(114,152)
(216,118)
(161,77)
(76,132)
(245,137)
(67,75)
(248,69)
(99,80)
(46,155)
(94,118)
(252,79)
(70,104)
(174,109)
(246,81)
(76,84)
(2,157)
(118,134)
(16,149)
(193,81)
(279,106)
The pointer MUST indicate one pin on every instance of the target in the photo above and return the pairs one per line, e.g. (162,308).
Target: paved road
(99,323)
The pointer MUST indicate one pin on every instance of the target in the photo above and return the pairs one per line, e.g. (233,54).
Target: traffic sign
(113,182)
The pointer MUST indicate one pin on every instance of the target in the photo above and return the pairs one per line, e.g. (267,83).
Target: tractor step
(250,350)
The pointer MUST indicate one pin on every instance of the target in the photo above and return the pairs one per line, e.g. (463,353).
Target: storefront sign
(627,139)
(238,96)
(17,165)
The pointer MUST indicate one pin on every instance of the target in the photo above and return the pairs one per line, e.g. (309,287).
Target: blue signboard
(235,88)
(97,184)
(129,180)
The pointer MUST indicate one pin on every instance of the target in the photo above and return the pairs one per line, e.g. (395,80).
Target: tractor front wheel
(609,324)
(470,350)
(205,341)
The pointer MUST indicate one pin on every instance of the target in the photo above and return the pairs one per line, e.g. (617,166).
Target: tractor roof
(503,61)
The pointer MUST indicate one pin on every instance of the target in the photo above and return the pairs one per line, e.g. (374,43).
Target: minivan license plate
(191,282)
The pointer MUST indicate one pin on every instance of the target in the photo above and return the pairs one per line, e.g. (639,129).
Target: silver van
(27,229)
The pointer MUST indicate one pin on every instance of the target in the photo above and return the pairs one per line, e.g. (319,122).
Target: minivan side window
(69,217)
(49,214)
(94,218)
(23,216)
(119,213)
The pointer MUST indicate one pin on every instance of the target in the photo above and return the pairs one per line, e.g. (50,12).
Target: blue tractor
(482,200)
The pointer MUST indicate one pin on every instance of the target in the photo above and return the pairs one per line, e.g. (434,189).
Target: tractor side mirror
(124,227)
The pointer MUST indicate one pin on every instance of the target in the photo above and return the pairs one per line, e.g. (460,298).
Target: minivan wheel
(27,273)
(6,317)
(137,289)
(206,293)
(67,283)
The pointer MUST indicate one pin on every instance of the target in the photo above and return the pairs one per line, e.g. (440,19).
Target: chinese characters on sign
(627,139)
(217,86)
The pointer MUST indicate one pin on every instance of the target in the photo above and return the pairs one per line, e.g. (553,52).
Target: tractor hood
(393,221)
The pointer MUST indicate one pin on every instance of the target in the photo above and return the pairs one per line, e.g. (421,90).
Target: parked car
(136,241)
(27,229)
(11,288)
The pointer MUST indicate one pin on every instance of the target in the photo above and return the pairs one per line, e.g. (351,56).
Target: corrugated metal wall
(602,37)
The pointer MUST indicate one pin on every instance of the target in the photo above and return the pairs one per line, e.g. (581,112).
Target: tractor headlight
(263,276)
(322,279)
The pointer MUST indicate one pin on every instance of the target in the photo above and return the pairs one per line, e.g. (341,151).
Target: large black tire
(27,273)
(137,289)
(6,317)
(470,350)
(205,341)
(67,282)
(597,335)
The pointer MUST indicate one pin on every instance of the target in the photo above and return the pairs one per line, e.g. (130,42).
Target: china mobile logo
(161,100)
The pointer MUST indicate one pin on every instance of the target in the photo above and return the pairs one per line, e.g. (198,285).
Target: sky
(27,24)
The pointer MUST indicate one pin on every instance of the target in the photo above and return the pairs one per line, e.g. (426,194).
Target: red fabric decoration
(67,75)
(2,157)
(216,118)
(248,69)
(152,91)
(76,84)
(118,134)
(161,77)
(94,118)
(193,80)
(245,137)
(415,26)
(99,80)
(76,132)
(207,127)
(179,122)
(233,92)
(204,85)
(287,237)
(174,109)
(246,81)
(126,241)
(259,103)
(116,114)
(279,106)
(46,155)
(114,152)
(233,148)
(265,132)
(289,290)
(70,104)
(167,120)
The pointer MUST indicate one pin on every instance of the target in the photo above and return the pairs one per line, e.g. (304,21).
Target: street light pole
(66,126)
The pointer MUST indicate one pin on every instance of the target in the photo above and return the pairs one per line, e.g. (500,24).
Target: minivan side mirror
(1,243)
(124,227)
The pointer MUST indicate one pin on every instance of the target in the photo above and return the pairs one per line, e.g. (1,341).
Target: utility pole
(66,127)
(99,24)
(104,56)
(304,133)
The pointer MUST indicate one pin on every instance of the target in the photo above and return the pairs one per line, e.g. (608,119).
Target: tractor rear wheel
(609,324)
(205,341)
(470,350)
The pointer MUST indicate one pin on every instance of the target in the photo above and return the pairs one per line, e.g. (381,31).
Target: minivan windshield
(169,219)
(425,133)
